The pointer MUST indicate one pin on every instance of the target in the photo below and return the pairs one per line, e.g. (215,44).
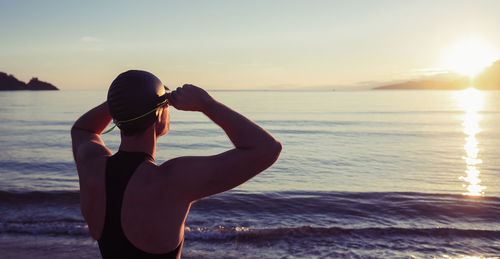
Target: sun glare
(469,57)
(471,101)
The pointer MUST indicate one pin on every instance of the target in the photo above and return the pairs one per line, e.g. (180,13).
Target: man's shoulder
(173,169)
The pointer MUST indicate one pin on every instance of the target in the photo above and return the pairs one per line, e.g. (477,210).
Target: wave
(366,132)
(63,226)
(246,234)
(30,123)
(360,205)
(75,227)
(29,167)
(203,146)
(39,197)
(381,205)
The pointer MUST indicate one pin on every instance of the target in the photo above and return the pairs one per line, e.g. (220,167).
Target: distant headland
(488,79)
(428,84)
(9,82)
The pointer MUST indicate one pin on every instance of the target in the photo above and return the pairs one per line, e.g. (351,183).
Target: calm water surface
(417,141)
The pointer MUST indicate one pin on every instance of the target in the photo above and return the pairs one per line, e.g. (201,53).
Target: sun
(469,57)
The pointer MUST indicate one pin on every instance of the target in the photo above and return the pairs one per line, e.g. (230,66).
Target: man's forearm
(242,132)
(95,120)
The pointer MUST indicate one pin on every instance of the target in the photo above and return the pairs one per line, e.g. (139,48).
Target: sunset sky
(246,44)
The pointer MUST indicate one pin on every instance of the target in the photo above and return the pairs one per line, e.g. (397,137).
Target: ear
(159,113)
(158,121)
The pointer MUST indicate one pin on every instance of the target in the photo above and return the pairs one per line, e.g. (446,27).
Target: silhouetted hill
(489,79)
(429,84)
(9,82)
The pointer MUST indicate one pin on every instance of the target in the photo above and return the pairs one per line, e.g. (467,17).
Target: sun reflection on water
(471,101)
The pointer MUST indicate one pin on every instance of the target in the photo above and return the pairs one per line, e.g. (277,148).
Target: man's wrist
(208,105)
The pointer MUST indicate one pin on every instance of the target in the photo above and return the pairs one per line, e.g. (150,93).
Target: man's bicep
(202,176)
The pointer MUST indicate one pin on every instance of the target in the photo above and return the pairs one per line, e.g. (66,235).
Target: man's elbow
(274,149)
(74,131)
(277,148)
(272,153)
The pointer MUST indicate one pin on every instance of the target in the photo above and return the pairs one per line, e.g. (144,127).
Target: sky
(242,44)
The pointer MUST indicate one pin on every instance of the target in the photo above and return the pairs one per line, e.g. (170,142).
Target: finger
(169,97)
(172,99)
(189,86)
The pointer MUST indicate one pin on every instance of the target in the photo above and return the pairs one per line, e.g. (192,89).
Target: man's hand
(254,149)
(190,98)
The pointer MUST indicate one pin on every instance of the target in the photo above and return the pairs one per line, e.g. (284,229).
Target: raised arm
(86,130)
(255,149)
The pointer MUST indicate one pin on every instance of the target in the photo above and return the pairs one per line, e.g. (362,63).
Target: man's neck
(146,142)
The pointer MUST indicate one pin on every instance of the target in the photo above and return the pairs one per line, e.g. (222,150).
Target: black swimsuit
(113,243)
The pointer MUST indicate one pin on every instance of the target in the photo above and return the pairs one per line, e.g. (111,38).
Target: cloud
(431,71)
(89,39)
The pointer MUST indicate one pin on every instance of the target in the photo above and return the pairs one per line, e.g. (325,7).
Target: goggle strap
(136,118)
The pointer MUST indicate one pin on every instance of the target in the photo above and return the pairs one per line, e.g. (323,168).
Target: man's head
(137,101)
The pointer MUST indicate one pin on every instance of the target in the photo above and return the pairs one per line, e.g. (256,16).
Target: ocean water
(362,174)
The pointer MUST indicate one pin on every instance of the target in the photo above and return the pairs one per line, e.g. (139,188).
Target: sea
(362,174)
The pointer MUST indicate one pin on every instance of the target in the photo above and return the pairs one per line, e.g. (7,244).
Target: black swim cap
(132,94)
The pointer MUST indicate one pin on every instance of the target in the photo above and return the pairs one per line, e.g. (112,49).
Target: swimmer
(134,207)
